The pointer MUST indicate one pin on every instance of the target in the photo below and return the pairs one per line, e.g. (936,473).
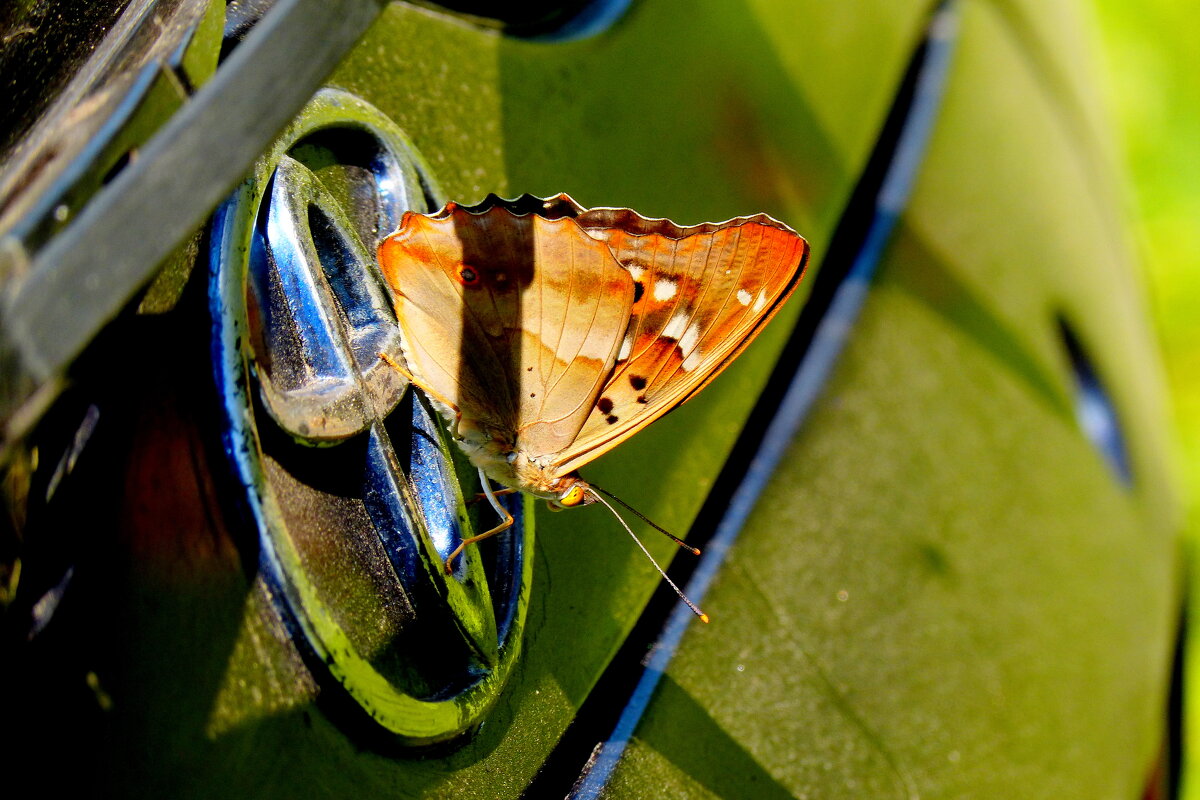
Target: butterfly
(547,333)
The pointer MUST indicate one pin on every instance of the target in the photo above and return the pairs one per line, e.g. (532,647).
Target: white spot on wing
(687,346)
(744,297)
(690,337)
(635,271)
(664,289)
(626,348)
(760,301)
(676,326)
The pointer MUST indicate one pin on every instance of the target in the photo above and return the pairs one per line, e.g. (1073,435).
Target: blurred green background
(1151,52)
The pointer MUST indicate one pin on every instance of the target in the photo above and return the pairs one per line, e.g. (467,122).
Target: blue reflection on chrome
(431,481)
(591,20)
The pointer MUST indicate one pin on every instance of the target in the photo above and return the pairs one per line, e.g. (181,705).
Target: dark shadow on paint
(682,731)
(1094,409)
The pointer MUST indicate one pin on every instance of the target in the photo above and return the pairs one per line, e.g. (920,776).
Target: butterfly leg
(483,495)
(391,362)
(503,526)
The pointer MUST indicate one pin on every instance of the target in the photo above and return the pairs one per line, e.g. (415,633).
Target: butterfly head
(572,491)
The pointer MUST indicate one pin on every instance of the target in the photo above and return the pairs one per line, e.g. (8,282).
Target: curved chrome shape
(346,473)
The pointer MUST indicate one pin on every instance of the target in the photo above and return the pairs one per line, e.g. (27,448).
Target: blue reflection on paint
(1094,409)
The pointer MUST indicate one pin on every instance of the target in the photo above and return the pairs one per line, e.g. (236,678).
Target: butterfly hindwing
(514,318)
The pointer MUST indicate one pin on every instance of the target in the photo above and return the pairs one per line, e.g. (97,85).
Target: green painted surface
(947,593)
(692,111)
(1006,608)
(945,596)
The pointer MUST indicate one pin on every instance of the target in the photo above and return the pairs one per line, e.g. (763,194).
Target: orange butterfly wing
(701,295)
(515,318)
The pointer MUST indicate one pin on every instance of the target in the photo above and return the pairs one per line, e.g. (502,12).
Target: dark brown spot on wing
(605,405)
(637,382)
(638,291)
(610,419)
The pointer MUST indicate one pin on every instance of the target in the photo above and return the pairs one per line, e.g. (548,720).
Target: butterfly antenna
(694,550)
(703,617)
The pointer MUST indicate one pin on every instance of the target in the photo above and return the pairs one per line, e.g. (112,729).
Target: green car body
(945,590)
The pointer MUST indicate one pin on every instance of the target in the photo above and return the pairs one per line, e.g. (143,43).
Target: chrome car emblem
(347,475)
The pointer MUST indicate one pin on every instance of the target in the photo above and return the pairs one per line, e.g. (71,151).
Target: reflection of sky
(1094,411)
(432,487)
(1099,423)
(592,19)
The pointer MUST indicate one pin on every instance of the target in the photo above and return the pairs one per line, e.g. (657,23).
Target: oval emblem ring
(346,473)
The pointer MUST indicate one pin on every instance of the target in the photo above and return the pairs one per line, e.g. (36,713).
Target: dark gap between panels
(604,705)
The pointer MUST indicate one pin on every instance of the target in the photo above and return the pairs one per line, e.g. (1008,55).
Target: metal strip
(828,341)
(83,277)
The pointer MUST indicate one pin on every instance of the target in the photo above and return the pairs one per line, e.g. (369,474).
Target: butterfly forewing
(701,295)
(516,319)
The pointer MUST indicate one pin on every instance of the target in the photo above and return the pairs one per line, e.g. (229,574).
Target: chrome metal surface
(135,221)
(348,476)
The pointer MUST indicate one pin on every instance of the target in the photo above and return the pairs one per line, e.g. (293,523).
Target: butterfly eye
(467,275)
(571,497)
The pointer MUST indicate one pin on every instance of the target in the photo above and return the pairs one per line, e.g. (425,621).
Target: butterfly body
(548,333)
